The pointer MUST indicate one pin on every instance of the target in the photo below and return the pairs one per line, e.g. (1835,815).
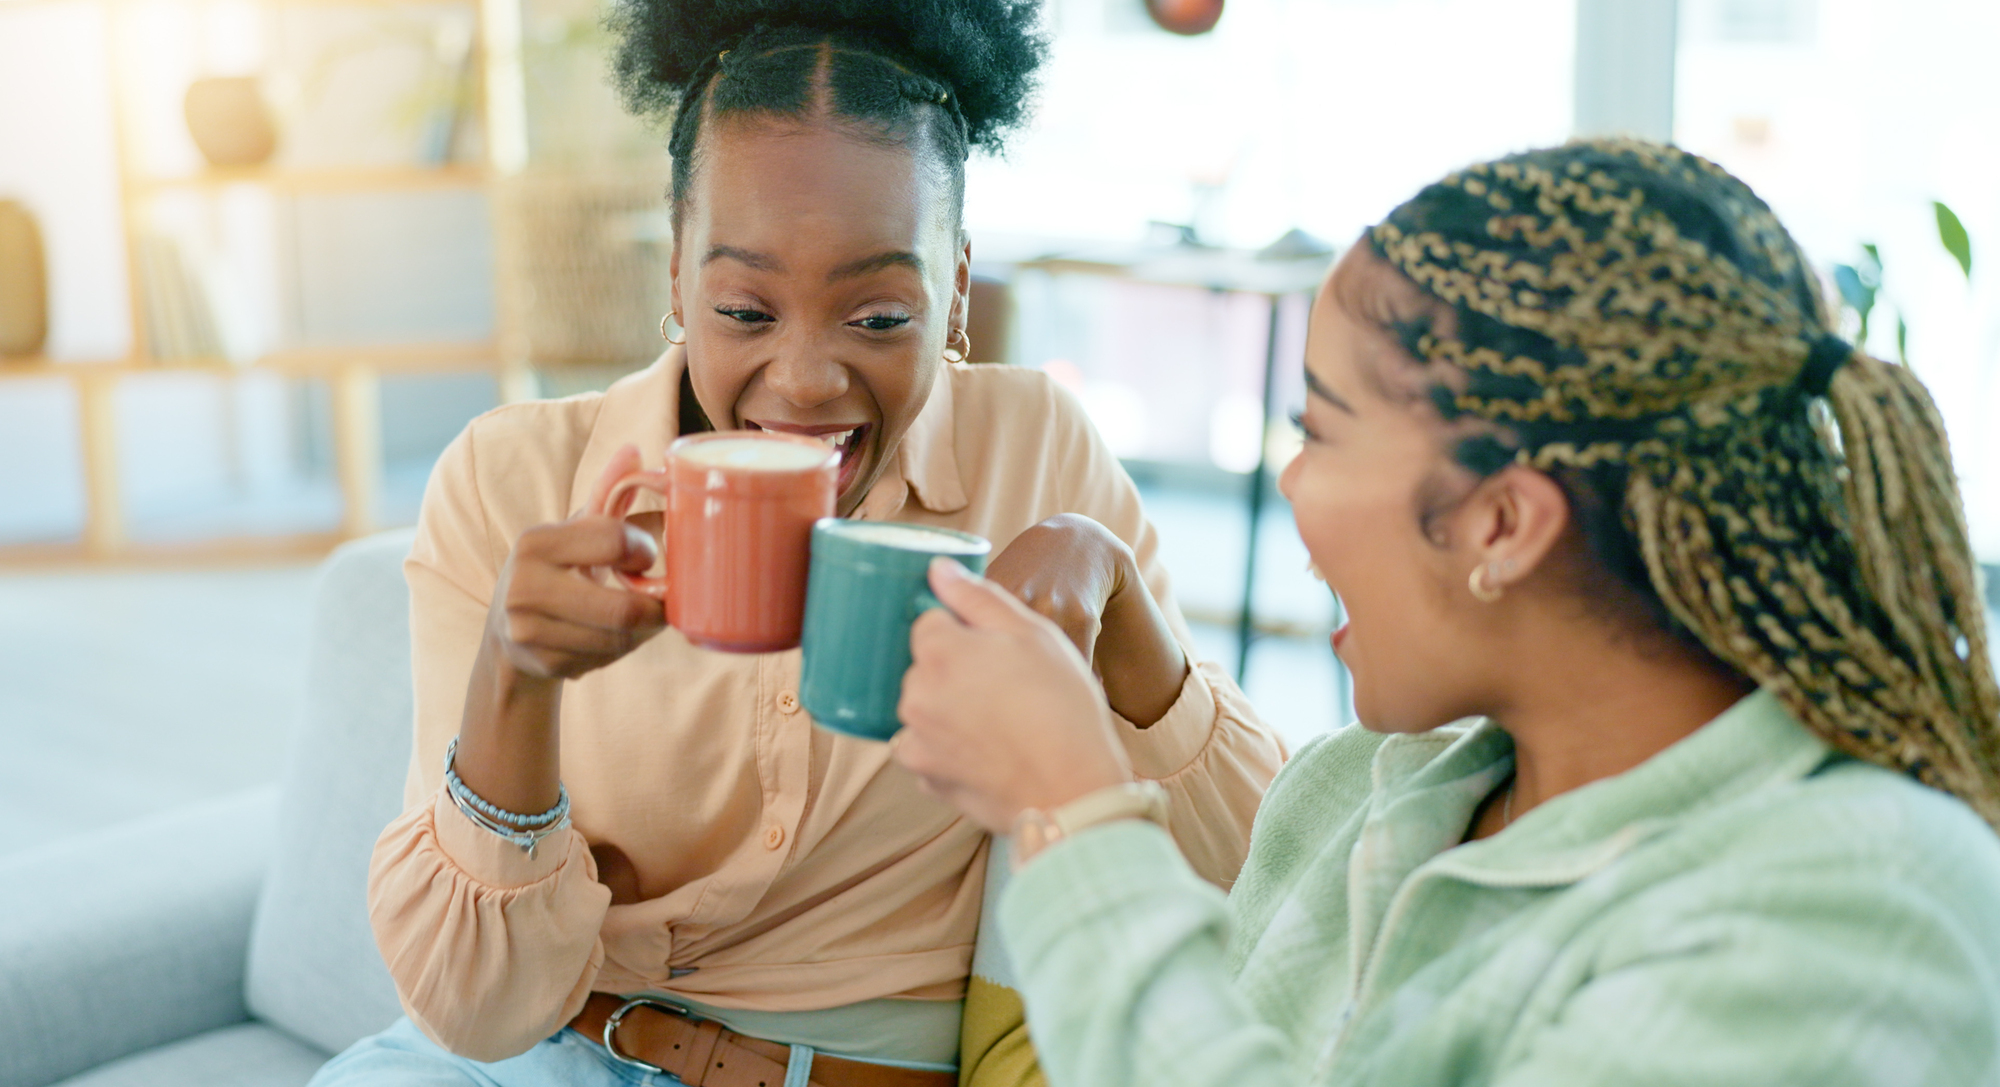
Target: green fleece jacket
(1747,907)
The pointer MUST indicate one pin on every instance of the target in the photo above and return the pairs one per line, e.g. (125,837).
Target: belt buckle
(617,1017)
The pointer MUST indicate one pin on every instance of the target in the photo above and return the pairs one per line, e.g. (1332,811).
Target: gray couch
(227,944)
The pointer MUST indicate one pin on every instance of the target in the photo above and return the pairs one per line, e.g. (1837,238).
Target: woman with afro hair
(717,892)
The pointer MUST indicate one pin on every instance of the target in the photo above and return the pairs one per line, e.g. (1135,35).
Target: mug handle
(925,601)
(618,502)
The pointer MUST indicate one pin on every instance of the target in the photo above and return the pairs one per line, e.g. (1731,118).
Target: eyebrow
(864,266)
(1315,386)
(763,262)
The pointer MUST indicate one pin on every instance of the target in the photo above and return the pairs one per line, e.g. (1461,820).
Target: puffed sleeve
(491,950)
(1210,751)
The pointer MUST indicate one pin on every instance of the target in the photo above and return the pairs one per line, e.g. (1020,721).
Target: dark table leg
(1245,628)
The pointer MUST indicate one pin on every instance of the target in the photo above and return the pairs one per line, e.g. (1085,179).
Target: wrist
(501,664)
(1036,829)
(526,831)
(508,734)
(1086,777)
(517,685)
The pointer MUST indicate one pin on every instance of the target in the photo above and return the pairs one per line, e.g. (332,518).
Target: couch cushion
(248,1055)
(117,940)
(314,970)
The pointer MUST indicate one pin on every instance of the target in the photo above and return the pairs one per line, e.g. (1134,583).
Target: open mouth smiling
(847,441)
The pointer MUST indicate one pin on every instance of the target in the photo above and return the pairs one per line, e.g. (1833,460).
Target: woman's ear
(1522,514)
(674,280)
(961,289)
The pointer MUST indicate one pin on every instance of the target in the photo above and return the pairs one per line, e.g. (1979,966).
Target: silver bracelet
(526,831)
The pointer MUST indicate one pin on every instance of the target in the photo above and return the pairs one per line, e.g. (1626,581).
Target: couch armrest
(125,938)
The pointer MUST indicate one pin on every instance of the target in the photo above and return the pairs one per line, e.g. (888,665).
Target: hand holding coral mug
(999,710)
(740,506)
(547,622)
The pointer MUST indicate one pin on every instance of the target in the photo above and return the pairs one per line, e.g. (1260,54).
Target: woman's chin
(1387,725)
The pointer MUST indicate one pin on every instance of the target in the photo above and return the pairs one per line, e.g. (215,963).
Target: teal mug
(869,582)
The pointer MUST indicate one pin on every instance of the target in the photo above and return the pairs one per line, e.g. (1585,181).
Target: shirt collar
(1753,745)
(927,461)
(643,409)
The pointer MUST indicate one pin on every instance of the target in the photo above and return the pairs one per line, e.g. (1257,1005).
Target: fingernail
(950,567)
(636,540)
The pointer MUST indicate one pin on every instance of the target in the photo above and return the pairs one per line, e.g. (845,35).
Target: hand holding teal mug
(868,584)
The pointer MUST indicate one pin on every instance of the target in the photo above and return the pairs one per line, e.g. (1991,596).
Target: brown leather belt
(703,1053)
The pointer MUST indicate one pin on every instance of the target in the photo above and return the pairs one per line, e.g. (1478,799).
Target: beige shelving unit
(353,374)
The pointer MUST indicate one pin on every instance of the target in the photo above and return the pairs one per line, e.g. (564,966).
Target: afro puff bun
(982,52)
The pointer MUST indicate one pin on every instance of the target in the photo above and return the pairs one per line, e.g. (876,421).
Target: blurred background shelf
(210,551)
(322,180)
(461,63)
(39,368)
(412,358)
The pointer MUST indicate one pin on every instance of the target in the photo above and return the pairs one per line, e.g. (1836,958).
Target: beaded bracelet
(527,840)
(525,831)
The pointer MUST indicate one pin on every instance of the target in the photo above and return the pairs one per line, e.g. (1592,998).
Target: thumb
(976,601)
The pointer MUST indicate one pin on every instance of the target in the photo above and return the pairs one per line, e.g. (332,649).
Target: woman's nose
(804,377)
(1285,478)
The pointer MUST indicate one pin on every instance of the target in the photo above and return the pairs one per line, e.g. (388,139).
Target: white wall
(1321,114)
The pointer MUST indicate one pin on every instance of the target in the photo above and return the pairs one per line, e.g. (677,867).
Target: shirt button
(774,837)
(788,702)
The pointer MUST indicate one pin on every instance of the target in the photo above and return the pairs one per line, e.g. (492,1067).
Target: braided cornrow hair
(944,76)
(1632,316)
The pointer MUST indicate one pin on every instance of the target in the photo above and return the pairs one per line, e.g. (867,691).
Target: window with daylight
(1854,119)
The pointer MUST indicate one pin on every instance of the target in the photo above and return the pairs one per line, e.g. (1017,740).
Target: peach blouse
(763,864)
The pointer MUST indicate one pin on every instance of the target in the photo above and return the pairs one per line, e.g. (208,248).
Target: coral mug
(736,548)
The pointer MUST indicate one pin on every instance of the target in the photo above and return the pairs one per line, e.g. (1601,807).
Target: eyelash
(1299,421)
(758,317)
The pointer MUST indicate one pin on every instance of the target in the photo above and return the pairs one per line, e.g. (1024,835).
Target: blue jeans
(402,1057)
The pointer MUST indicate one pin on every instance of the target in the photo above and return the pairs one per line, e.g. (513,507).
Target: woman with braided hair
(735,897)
(1680,757)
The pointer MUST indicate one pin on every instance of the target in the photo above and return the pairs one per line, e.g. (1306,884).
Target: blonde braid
(1917,562)
(1625,303)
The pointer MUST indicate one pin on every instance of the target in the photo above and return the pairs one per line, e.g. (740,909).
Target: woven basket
(583,268)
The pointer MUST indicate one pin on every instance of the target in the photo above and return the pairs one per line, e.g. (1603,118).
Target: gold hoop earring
(1482,590)
(957,336)
(675,317)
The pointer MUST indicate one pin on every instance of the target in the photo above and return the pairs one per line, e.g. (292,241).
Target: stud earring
(675,317)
